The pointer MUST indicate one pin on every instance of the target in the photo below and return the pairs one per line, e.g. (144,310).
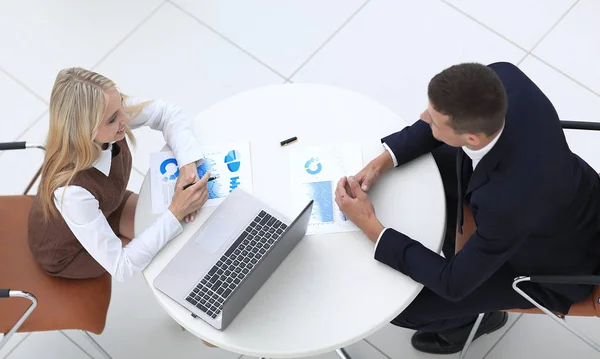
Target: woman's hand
(187,174)
(190,200)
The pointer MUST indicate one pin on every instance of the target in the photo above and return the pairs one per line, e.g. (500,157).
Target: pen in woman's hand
(209,179)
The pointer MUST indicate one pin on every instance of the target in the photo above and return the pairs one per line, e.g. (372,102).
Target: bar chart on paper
(315,172)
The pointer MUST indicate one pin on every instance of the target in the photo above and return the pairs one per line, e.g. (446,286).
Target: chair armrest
(580,125)
(566,279)
(4,293)
(5,146)
(20,145)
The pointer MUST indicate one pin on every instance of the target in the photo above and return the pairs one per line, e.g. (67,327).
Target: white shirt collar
(103,163)
(477,155)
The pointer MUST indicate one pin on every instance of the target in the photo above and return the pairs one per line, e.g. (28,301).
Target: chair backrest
(62,303)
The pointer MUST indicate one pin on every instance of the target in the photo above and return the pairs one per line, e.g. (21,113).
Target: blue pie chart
(232,160)
(163,169)
(313,166)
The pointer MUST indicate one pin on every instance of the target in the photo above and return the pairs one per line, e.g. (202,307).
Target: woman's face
(114,120)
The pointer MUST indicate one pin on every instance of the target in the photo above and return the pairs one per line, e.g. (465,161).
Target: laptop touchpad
(215,234)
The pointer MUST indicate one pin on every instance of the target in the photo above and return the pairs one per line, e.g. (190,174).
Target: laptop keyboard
(243,255)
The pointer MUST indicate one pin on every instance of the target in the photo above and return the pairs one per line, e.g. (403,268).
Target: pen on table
(209,179)
(288,141)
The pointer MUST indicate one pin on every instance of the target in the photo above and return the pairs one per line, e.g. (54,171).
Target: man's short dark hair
(472,95)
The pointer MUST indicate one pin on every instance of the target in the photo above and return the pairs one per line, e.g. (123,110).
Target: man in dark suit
(501,151)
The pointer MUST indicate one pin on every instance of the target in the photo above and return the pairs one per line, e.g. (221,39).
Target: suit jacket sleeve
(497,237)
(411,142)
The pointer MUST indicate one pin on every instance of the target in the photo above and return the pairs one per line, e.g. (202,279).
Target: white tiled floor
(371,56)
(572,46)
(522,22)
(196,53)
(282,34)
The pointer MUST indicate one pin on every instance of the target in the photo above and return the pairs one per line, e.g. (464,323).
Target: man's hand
(368,175)
(357,207)
(188,174)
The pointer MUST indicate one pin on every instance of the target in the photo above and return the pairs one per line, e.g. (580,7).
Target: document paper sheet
(315,173)
(230,162)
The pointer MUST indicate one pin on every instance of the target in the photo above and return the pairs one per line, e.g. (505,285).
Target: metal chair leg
(13,330)
(463,352)
(342,353)
(555,317)
(95,344)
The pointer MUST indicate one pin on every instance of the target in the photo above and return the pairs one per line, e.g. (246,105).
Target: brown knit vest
(52,243)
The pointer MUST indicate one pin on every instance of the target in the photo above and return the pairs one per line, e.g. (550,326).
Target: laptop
(230,257)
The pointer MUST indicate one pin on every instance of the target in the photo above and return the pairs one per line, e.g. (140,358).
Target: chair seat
(62,303)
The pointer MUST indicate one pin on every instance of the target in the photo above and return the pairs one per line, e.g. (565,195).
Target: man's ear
(473,140)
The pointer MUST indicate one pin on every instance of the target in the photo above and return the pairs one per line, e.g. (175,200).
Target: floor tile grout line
(376,348)
(484,25)
(226,38)
(22,84)
(37,119)
(138,171)
(502,337)
(16,346)
(311,56)
(563,73)
(522,59)
(136,28)
(530,52)
(77,345)
(553,27)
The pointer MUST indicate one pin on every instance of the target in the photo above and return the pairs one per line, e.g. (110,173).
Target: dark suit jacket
(535,203)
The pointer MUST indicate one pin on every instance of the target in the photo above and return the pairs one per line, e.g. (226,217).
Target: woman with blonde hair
(82,210)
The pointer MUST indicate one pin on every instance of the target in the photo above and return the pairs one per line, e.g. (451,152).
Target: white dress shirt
(81,211)
(475,155)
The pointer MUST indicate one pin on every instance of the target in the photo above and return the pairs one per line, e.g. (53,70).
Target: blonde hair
(77,105)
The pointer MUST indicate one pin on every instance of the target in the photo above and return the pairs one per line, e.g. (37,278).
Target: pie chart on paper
(313,166)
(232,160)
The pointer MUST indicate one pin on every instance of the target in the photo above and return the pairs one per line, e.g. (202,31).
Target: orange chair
(590,307)
(37,301)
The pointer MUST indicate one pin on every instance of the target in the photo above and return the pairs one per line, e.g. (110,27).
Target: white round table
(329,292)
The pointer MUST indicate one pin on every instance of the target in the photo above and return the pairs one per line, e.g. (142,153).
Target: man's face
(440,126)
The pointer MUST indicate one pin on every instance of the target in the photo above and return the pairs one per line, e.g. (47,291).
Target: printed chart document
(315,173)
(230,162)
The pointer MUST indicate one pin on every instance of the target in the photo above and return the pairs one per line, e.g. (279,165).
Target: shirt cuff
(173,221)
(378,239)
(387,148)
